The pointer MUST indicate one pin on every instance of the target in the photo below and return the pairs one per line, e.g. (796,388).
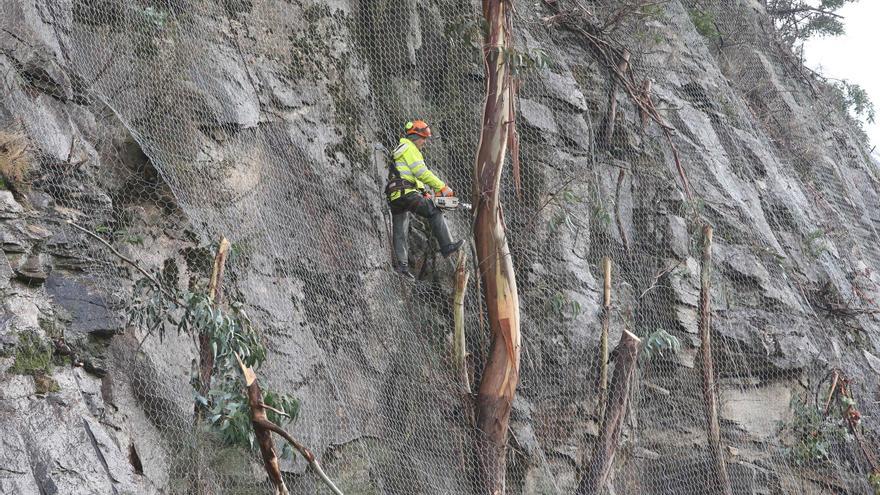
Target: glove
(446,192)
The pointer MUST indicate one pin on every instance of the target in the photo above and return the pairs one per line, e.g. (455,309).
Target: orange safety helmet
(417,127)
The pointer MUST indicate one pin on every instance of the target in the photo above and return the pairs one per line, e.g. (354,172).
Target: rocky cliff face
(162,125)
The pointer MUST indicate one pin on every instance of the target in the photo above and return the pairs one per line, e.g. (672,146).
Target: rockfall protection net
(260,121)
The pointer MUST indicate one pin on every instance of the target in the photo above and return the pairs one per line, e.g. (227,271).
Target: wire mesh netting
(265,122)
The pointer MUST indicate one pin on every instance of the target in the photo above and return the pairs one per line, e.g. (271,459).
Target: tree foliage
(154,308)
(855,99)
(799,20)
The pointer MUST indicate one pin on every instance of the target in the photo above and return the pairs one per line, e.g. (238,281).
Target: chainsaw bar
(450,203)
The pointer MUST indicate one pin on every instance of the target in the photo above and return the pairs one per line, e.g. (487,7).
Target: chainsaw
(450,203)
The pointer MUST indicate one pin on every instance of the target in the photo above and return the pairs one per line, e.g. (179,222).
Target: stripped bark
(263,429)
(462,275)
(710,401)
(501,372)
(626,359)
(603,341)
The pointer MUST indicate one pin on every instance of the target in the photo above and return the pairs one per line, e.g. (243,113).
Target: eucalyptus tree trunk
(501,372)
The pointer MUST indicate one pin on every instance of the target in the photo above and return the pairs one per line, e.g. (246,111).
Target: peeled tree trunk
(501,372)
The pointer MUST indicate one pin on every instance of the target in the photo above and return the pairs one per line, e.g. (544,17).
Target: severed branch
(582,23)
(840,386)
(259,418)
(305,452)
(263,429)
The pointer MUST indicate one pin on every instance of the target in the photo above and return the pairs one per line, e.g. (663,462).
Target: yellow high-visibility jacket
(410,164)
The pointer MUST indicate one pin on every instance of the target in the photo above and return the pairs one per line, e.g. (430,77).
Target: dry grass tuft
(16,161)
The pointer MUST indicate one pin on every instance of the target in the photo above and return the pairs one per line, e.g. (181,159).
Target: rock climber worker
(406,192)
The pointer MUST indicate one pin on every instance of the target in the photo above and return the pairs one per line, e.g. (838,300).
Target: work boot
(447,250)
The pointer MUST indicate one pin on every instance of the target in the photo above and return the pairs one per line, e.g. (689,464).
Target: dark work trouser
(423,207)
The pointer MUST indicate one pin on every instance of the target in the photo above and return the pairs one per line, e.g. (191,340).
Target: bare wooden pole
(609,438)
(710,401)
(462,275)
(603,340)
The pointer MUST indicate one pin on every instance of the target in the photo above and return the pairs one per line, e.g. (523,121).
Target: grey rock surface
(86,308)
(256,120)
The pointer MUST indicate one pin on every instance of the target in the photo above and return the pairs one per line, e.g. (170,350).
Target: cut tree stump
(627,354)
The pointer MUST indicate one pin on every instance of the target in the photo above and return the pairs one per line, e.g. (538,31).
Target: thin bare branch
(124,258)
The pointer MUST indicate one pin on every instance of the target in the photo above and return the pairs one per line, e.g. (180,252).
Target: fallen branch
(831,392)
(262,431)
(853,419)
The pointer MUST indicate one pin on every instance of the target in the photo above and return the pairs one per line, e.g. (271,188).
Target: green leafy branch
(522,62)
(815,433)
(853,98)
(566,200)
(228,414)
(564,307)
(155,307)
(659,342)
(231,334)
